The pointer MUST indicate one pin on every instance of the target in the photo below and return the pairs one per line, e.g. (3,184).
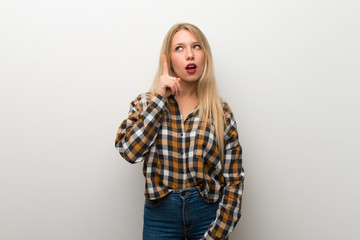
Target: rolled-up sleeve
(138,132)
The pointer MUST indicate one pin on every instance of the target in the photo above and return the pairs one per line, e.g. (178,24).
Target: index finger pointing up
(165,66)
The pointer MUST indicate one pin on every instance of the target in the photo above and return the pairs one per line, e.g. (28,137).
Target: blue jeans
(182,214)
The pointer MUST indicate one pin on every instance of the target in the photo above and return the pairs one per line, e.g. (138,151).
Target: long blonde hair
(210,103)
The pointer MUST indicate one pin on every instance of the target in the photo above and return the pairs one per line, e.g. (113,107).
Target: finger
(176,85)
(169,84)
(165,66)
(173,86)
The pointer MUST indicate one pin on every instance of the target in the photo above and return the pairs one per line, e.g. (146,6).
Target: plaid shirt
(180,154)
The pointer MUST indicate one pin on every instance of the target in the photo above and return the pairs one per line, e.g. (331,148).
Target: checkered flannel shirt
(180,154)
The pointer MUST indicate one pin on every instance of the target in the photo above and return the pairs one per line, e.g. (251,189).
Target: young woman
(187,138)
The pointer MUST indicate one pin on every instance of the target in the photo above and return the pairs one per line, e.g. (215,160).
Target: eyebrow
(180,43)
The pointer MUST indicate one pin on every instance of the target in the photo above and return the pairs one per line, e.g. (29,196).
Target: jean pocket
(152,203)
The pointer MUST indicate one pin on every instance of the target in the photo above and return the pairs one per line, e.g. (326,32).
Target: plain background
(69,70)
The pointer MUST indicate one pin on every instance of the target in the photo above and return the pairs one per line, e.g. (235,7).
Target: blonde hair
(210,103)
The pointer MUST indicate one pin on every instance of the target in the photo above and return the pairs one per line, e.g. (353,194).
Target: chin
(193,78)
(189,80)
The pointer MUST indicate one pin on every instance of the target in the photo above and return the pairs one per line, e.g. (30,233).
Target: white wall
(69,69)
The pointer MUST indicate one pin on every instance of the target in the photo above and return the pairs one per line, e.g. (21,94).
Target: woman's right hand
(168,85)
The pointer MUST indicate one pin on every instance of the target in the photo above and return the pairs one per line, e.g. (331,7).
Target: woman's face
(187,56)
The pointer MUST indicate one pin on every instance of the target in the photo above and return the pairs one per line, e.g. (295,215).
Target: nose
(189,54)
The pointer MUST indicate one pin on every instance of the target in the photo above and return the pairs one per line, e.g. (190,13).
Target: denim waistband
(184,192)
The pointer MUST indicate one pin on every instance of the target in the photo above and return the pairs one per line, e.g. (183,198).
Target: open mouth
(191,68)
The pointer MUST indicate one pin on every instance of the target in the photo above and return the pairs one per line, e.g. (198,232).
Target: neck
(188,89)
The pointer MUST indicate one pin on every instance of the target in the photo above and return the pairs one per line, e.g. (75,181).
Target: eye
(197,46)
(178,48)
